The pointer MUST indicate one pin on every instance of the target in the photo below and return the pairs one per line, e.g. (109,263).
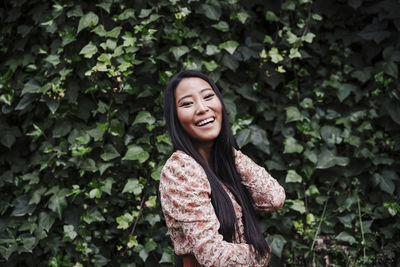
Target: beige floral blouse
(190,216)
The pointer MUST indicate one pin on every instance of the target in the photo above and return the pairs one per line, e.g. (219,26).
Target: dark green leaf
(57,202)
(136,152)
(32,86)
(26,100)
(133,186)
(88,20)
(21,206)
(293,177)
(88,50)
(179,51)
(292,146)
(387,185)
(93,215)
(229,46)
(109,153)
(127,14)
(243,137)
(293,114)
(374,31)
(144,117)
(277,242)
(270,16)
(222,26)
(211,12)
(345,237)
(46,221)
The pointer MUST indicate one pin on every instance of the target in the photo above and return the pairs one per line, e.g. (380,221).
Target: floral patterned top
(190,216)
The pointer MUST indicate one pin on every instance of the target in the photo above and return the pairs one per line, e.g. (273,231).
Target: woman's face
(199,110)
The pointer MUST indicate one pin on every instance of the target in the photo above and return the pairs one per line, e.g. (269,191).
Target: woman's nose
(201,107)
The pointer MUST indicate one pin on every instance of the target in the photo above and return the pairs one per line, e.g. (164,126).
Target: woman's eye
(185,104)
(209,96)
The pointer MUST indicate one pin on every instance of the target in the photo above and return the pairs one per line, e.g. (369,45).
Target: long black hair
(223,167)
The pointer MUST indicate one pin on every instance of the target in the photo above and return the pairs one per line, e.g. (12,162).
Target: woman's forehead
(192,85)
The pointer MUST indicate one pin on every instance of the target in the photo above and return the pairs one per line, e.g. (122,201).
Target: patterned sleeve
(267,193)
(185,199)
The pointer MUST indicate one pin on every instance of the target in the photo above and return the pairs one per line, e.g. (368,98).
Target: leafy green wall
(312,90)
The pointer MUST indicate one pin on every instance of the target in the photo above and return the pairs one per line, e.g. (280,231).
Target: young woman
(209,189)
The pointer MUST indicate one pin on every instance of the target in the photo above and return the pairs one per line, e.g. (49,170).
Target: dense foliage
(312,90)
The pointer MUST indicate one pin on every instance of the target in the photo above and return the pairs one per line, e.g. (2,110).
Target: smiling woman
(209,189)
(199,112)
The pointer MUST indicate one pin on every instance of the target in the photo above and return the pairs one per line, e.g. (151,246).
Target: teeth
(205,121)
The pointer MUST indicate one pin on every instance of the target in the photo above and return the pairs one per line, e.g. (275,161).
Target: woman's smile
(205,122)
(199,109)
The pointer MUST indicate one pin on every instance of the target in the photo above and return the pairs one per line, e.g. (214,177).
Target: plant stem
(361,225)
(319,225)
(134,225)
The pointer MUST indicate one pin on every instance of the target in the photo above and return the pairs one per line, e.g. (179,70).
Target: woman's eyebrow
(201,91)
(183,97)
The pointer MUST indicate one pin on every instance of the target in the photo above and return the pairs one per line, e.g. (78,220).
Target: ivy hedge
(312,90)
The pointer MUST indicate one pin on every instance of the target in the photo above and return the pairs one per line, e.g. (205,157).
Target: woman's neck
(205,151)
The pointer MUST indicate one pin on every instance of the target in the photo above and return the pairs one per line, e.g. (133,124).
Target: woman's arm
(267,193)
(190,216)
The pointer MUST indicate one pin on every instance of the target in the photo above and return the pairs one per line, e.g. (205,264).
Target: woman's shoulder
(183,170)
(180,159)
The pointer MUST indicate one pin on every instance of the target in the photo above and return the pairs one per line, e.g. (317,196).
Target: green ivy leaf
(31,86)
(167,255)
(132,242)
(222,26)
(309,37)
(210,65)
(88,50)
(243,137)
(8,139)
(127,14)
(21,206)
(258,137)
(37,195)
(210,11)
(69,232)
(277,243)
(229,46)
(95,193)
(93,215)
(347,219)
(88,20)
(124,221)
(46,221)
(270,16)
(179,51)
(293,177)
(275,55)
(136,152)
(387,185)
(57,202)
(212,50)
(312,190)
(298,205)
(133,186)
(109,153)
(292,146)
(144,117)
(293,114)
(345,237)
(327,159)
(374,31)
(152,219)
(151,202)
